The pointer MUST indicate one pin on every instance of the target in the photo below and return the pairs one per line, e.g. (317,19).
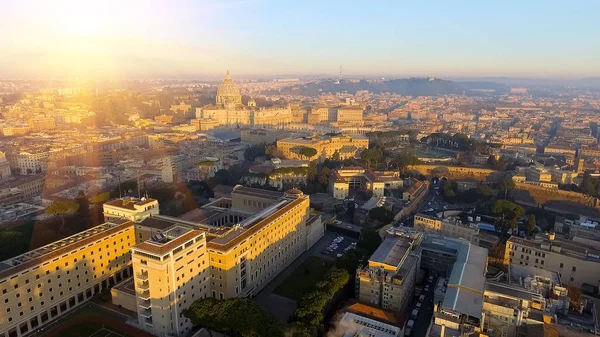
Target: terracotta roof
(293,191)
(378,314)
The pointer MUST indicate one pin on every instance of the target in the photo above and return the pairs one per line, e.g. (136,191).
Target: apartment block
(449,226)
(171,271)
(248,249)
(389,278)
(344,179)
(575,262)
(46,283)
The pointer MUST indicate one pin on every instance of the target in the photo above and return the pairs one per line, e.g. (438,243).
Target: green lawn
(304,278)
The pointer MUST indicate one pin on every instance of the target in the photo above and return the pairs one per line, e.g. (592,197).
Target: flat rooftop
(127,286)
(129,203)
(256,192)
(165,242)
(39,255)
(466,283)
(560,245)
(391,251)
(510,290)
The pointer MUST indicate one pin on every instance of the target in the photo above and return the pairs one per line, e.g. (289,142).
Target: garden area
(304,278)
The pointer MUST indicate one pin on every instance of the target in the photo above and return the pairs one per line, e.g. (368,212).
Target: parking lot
(338,246)
(424,305)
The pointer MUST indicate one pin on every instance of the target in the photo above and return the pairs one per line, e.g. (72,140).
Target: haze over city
(253,38)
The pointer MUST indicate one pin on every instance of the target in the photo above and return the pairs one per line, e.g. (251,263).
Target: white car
(418,305)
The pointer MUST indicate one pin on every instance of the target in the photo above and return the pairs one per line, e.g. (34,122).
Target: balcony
(145,295)
(143,285)
(148,321)
(146,304)
(142,276)
(147,313)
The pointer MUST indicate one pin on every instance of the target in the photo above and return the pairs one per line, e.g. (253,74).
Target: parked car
(414,314)
(421,298)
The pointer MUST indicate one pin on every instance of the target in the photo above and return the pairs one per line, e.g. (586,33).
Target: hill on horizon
(406,86)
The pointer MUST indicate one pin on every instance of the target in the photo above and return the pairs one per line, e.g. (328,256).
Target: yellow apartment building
(48,282)
(171,271)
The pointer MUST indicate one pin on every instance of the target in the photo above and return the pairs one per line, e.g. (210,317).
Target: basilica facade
(229,110)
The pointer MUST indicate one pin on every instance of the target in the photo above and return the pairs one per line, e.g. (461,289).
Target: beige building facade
(43,284)
(575,262)
(327,146)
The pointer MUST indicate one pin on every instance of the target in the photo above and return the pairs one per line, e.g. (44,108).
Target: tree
(509,213)
(373,155)
(369,240)
(60,209)
(350,209)
(307,152)
(222,177)
(236,316)
(531,224)
(312,170)
(381,214)
(336,156)
(253,152)
(589,185)
(324,176)
(272,152)
(484,191)
(506,184)
(405,160)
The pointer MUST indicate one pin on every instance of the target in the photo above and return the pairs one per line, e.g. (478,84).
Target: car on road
(427,288)
(414,314)
(407,332)
(430,279)
(421,298)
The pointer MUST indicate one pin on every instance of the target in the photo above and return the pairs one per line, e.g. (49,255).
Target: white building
(131,209)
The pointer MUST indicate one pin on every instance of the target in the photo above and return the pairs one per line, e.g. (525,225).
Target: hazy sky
(191,39)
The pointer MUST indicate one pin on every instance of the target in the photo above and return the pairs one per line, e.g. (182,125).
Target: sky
(110,39)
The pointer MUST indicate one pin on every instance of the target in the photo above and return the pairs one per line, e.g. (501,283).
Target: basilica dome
(228,92)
